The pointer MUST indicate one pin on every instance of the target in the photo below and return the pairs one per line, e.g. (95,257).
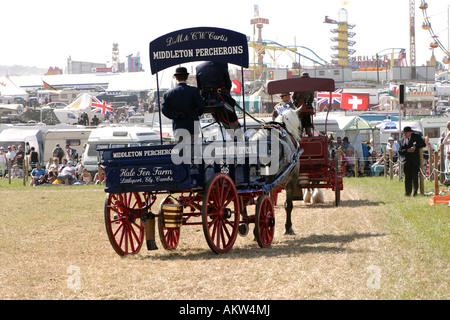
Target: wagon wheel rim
(220,213)
(265,221)
(337,196)
(125,230)
(169,237)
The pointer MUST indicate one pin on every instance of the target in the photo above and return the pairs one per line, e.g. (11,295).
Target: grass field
(376,245)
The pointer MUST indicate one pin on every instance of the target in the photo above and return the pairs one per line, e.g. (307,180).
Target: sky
(45,33)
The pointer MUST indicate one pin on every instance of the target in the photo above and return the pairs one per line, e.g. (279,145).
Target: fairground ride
(435,42)
(275,50)
(383,60)
(341,59)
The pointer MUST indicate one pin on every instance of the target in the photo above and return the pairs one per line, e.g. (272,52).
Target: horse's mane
(291,121)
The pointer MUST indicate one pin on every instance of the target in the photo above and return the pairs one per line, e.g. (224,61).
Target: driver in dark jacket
(215,84)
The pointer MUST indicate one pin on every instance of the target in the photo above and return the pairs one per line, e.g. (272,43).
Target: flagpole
(159,109)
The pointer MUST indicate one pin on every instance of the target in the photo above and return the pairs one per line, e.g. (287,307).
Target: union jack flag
(100,106)
(324,96)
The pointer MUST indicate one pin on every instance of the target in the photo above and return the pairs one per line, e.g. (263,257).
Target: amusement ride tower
(343,51)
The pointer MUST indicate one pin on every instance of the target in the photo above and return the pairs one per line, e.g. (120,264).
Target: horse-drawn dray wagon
(211,184)
(319,165)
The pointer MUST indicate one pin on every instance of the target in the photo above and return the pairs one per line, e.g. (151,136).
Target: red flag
(47,86)
(354,102)
(236,86)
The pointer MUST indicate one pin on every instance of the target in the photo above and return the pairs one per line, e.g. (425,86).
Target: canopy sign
(198,44)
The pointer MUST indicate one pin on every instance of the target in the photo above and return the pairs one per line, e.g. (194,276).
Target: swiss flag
(354,102)
(236,86)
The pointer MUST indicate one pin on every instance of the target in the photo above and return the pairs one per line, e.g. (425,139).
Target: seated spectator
(37,175)
(63,164)
(16,172)
(346,145)
(67,175)
(85,177)
(54,164)
(79,167)
(350,162)
(378,167)
(373,158)
(100,177)
(52,174)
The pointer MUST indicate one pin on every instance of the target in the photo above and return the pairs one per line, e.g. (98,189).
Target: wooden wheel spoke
(224,228)
(227,198)
(118,228)
(130,236)
(216,194)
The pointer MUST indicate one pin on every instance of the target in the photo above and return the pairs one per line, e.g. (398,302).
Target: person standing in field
(410,145)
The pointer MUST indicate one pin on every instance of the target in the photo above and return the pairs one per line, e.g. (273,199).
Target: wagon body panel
(152,168)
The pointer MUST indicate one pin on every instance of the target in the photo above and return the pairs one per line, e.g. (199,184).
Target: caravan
(23,136)
(116,137)
(75,138)
(434,127)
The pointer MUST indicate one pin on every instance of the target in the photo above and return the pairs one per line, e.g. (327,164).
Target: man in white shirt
(67,173)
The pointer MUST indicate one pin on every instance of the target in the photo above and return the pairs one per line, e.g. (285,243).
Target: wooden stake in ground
(421,171)
(436,181)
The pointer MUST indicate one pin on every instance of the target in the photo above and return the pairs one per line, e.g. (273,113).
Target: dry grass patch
(335,254)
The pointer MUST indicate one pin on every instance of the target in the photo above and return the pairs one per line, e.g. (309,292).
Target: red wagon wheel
(265,221)
(124,228)
(220,213)
(169,236)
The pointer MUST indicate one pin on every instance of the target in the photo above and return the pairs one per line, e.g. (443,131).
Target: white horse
(289,132)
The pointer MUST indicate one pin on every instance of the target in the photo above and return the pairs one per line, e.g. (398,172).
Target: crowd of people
(15,156)
(403,154)
(65,167)
(64,172)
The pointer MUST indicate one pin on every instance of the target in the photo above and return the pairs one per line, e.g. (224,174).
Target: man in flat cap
(410,145)
(183,104)
(284,104)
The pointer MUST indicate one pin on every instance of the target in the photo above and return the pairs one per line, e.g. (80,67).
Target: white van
(75,138)
(434,127)
(116,137)
(66,116)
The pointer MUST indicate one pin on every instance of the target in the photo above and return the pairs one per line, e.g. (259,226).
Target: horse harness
(283,132)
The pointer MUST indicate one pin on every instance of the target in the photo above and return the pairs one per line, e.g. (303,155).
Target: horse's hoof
(289,232)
